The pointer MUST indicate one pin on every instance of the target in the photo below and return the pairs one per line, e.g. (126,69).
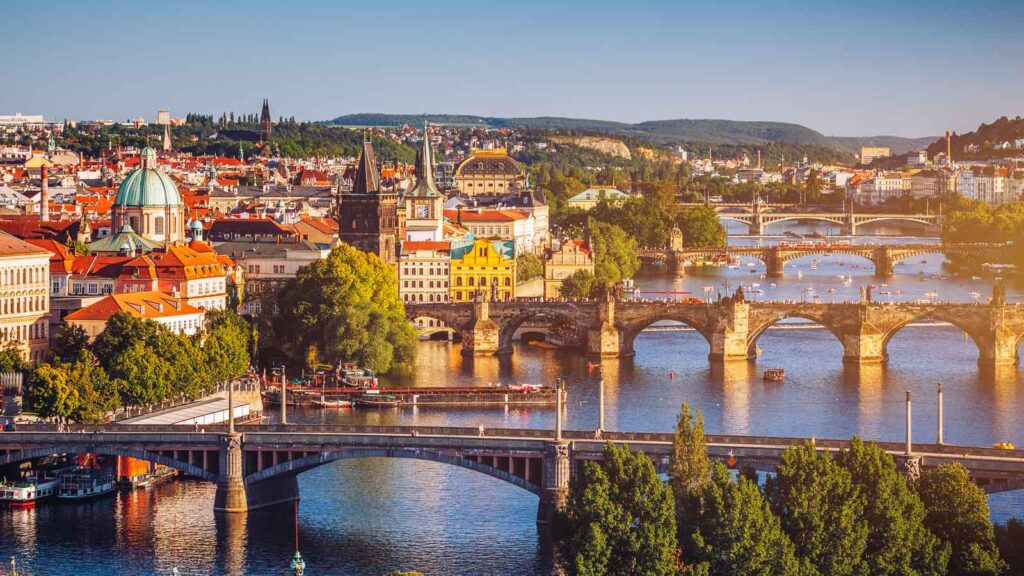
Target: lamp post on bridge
(938,436)
(600,407)
(231,406)
(559,383)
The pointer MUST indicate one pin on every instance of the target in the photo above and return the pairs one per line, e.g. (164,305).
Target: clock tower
(424,205)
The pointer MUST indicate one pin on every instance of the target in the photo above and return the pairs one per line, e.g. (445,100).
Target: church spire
(167,138)
(265,121)
(424,187)
(367,176)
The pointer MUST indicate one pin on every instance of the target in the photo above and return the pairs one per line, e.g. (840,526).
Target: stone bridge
(758,215)
(884,257)
(257,466)
(731,328)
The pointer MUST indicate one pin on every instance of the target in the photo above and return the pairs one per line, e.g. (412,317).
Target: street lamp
(707,292)
(803,295)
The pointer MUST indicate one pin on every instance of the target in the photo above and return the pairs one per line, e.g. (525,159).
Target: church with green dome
(148,202)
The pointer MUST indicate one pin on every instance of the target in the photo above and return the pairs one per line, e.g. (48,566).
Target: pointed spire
(367,176)
(167,138)
(424,186)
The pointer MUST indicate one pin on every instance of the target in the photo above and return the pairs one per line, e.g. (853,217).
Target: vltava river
(369,517)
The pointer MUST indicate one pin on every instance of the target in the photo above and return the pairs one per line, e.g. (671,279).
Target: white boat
(25,494)
(85,483)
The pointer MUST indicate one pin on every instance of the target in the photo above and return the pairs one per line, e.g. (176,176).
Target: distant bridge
(884,256)
(758,216)
(731,328)
(258,466)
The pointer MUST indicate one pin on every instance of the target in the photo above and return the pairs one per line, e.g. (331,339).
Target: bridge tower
(482,337)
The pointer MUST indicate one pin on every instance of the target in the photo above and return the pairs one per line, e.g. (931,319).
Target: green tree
(528,267)
(957,512)
(737,533)
(122,330)
(11,359)
(95,391)
(51,394)
(141,376)
(1010,539)
(580,284)
(701,227)
(226,344)
(620,518)
(347,305)
(689,474)
(69,343)
(821,509)
(615,257)
(898,542)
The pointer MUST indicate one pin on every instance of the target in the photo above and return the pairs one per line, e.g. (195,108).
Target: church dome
(148,186)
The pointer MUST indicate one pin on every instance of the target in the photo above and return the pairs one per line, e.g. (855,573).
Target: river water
(369,517)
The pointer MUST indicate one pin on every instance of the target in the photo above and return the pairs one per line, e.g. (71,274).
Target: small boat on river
(25,493)
(774,375)
(334,403)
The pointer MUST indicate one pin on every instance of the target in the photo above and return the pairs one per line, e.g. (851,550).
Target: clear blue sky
(843,68)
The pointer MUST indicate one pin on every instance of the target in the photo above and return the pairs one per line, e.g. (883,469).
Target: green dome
(148,186)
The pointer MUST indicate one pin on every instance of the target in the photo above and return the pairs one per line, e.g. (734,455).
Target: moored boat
(25,493)
(376,400)
(336,403)
(774,375)
(85,483)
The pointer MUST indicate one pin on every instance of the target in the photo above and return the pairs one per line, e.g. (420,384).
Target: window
(158,225)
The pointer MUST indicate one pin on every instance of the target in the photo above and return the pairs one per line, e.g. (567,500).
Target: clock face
(422,211)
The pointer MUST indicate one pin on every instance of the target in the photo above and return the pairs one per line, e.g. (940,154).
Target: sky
(845,68)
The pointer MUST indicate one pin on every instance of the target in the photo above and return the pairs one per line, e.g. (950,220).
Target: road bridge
(885,257)
(257,466)
(731,326)
(759,215)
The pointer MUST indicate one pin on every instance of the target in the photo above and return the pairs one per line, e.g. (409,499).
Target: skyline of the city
(926,68)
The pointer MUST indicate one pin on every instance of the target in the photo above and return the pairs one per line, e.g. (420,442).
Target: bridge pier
(730,340)
(884,263)
(230,497)
(554,489)
(483,336)
(867,346)
(775,266)
(999,349)
(603,340)
(676,263)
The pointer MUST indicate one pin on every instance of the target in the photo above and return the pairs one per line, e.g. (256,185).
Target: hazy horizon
(912,69)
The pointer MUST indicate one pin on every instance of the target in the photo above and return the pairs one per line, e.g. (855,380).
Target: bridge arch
(300,465)
(509,326)
(629,332)
(106,450)
(787,256)
(893,218)
(759,330)
(978,334)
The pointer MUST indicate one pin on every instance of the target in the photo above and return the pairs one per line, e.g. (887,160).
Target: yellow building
(869,154)
(488,266)
(488,173)
(569,257)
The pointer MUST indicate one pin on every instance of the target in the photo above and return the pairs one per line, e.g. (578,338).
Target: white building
(24,296)
(176,314)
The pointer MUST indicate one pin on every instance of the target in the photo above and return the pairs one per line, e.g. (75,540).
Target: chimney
(949,149)
(44,195)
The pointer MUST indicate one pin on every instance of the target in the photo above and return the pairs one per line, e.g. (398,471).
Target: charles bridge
(884,257)
(257,466)
(731,326)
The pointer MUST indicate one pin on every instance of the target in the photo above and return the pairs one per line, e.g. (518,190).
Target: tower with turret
(265,123)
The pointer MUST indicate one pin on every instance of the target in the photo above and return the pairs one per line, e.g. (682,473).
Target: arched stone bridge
(884,257)
(258,466)
(731,328)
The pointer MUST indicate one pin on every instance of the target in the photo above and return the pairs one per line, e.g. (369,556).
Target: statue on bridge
(999,293)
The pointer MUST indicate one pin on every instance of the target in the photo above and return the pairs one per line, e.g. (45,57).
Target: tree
(1010,539)
(528,267)
(689,474)
(11,359)
(620,518)
(615,257)
(95,391)
(50,393)
(226,344)
(122,330)
(580,284)
(898,542)
(701,227)
(737,533)
(821,510)
(69,343)
(347,305)
(141,376)
(957,513)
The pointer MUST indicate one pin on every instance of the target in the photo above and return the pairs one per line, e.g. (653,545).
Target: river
(369,517)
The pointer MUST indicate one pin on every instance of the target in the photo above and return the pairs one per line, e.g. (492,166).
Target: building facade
(24,297)
(564,261)
(424,204)
(487,267)
(174,313)
(488,173)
